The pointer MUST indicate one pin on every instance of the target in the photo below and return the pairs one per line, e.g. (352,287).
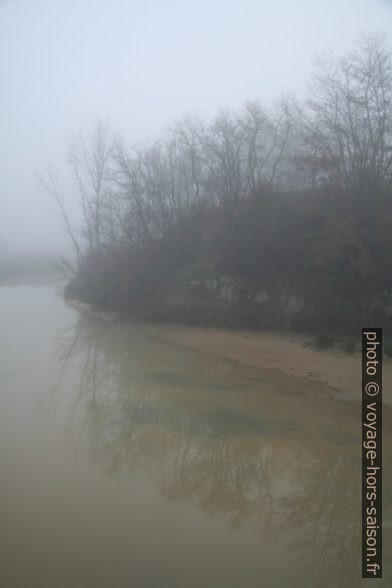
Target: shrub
(387,347)
(324,340)
(349,346)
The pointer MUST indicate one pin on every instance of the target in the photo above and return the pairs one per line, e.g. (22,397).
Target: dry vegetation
(293,201)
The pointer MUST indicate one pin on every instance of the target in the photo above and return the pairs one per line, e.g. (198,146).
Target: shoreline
(287,353)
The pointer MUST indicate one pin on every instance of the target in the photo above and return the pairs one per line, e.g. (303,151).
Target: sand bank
(285,352)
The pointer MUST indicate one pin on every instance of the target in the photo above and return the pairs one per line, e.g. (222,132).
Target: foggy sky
(141,65)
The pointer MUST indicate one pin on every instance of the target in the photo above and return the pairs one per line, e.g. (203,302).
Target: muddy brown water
(129,462)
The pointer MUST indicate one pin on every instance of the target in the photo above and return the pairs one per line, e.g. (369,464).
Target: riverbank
(288,353)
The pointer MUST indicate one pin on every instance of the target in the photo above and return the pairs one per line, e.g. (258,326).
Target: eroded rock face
(294,304)
(282,306)
(236,291)
(262,296)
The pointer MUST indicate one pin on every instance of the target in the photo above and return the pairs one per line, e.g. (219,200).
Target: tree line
(294,198)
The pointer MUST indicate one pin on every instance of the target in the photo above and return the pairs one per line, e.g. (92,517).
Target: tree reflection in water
(221,460)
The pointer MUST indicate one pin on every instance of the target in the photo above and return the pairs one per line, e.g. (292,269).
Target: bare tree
(90,158)
(49,184)
(347,122)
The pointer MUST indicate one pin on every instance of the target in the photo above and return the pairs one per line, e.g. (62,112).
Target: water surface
(129,462)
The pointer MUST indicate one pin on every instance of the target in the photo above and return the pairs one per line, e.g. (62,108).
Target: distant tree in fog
(347,121)
(90,158)
(49,184)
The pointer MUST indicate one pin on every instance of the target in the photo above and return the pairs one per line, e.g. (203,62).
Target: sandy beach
(284,352)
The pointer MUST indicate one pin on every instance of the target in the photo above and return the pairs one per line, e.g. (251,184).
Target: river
(129,462)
